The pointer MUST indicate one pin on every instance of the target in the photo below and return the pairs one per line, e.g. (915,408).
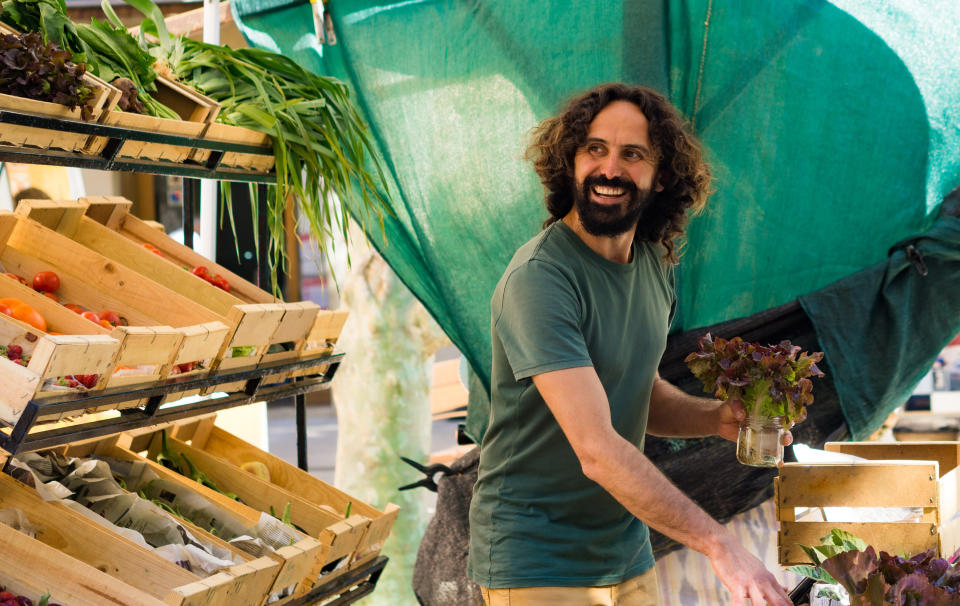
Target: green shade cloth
(833,130)
(882,328)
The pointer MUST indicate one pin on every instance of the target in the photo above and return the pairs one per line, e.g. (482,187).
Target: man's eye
(633,155)
(595,149)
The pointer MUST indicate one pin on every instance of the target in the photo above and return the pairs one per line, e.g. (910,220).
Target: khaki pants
(638,591)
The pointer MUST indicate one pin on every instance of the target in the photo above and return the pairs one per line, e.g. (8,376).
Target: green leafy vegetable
(43,71)
(324,152)
(771,381)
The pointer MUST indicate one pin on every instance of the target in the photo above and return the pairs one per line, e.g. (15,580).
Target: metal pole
(191,192)
(208,187)
(263,233)
(300,403)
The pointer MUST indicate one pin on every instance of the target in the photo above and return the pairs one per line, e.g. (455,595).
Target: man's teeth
(600,190)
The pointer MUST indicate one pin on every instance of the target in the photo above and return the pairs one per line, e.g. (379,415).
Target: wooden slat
(892,537)
(32,568)
(255,323)
(56,356)
(945,453)
(861,484)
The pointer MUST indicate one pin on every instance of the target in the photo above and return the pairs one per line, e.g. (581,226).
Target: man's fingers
(787,438)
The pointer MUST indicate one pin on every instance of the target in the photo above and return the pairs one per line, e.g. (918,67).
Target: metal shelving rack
(343,590)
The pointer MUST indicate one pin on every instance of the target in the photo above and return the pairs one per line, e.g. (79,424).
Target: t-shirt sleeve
(537,320)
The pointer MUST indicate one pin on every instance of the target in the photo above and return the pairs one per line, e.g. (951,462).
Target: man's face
(614,171)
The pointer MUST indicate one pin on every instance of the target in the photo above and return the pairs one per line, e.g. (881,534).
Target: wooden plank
(89,542)
(860,484)
(300,559)
(949,502)
(255,323)
(17,387)
(945,453)
(32,568)
(892,537)
(949,538)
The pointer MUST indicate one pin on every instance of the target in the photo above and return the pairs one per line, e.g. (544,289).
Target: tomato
(16,277)
(46,281)
(52,296)
(74,308)
(5,309)
(111,317)
(25,313)
(221,283)
(89,315)
(152,248)
(200,271)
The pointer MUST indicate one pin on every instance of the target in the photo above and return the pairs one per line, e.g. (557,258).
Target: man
(579,323)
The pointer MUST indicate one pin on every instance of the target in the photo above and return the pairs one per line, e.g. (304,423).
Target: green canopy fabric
(833,130)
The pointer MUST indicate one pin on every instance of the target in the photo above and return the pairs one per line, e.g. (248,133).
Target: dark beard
(609,220)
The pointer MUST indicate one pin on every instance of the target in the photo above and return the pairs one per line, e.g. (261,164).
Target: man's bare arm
(675,414)
(577,400)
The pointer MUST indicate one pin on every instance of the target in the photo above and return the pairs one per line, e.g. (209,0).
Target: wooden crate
(298,561)
(218,444)
(196,112)
(105,98)
(79,537)
(146,346)
(31,568)
(98,283)
(263,162)
(341,537)
(322,339)
(256,317)
(922,475)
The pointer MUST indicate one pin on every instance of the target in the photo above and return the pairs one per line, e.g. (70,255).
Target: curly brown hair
(681,170)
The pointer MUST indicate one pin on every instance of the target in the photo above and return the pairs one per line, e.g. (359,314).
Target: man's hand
(746,577)
(730,414)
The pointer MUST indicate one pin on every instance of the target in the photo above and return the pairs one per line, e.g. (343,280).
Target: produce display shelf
(347,589)
(21,439)
(107,160)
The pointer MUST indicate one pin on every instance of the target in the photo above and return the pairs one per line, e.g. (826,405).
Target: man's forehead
(621,121)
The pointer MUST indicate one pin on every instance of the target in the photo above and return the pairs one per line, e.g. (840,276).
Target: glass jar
(760,441)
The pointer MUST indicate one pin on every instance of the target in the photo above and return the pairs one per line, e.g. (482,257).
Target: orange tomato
(5,309)
(25,313)
(52,296)
(89,315)
(74,308)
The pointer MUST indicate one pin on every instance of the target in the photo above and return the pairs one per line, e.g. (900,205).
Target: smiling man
(579,322)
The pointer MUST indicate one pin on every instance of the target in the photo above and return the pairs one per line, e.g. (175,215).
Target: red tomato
(200,271)
(46,281)
(52,296)
(16,277)
(89,315)
(74,308)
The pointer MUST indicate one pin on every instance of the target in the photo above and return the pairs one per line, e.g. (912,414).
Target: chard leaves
(771,381)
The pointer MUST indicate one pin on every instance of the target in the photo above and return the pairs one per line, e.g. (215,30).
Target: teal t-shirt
(535,519)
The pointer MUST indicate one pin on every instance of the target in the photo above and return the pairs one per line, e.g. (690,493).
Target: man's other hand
(746,577)
(730,414)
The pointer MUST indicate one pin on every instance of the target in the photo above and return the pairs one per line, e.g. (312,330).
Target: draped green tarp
(833,130)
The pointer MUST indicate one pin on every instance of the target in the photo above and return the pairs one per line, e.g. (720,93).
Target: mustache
(599,180)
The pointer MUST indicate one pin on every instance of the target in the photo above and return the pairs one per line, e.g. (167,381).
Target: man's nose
(611,166)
